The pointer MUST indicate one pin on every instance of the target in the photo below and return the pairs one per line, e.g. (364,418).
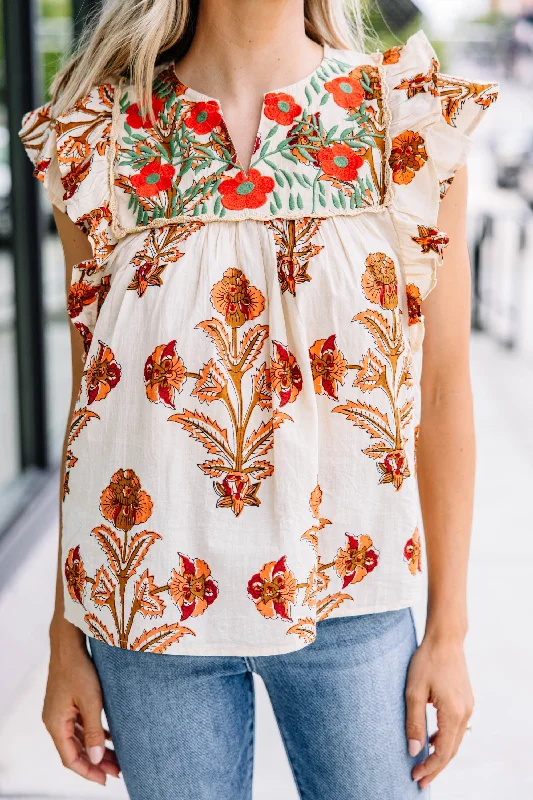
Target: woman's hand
(72,710)
(438,675)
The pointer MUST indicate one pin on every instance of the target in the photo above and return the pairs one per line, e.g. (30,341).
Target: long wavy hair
(130,37)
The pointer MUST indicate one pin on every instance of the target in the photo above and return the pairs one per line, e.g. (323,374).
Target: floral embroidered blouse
(242,456)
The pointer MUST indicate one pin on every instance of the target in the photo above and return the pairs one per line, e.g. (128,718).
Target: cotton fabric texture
(242,455)
(355,747)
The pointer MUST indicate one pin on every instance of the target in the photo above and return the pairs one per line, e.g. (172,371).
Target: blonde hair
(129,37)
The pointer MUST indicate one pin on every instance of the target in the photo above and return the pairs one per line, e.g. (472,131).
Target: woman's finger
(72,755)
(444,743)
(415,723)
(90,709)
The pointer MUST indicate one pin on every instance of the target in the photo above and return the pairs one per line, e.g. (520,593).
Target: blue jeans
(183,726)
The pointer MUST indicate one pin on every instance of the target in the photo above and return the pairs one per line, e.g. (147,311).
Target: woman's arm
(446,462)
(73,703)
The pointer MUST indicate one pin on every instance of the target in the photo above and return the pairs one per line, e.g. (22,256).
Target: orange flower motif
(328,366)
(414,303)
(134,117)
(75,574)
(86,335)
(273,589)
(236,299)
(392,56)
(281,108)
(164,374)
(394,468)
(408,155)
(431,239)
(286,375)
(379,281)
(370,81)
(153,178)
(237,491)
(339,161)
(123,502)
(412,553)
(347,92)
(80,294)
(359,558)
(192,588)
(102,374)
(246,190)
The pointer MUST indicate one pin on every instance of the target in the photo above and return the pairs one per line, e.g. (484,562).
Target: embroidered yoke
(242,455)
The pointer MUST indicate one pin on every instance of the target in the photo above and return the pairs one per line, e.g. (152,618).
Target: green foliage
(56,8)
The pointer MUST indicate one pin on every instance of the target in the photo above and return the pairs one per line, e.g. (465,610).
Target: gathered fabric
(242,455)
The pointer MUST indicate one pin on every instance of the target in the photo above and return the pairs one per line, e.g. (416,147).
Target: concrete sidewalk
(495,760)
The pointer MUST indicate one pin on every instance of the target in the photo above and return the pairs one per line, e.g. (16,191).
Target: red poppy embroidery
(246,190)
(192,588)
(203,117)
(286,375)
(134,118)
(153,178)
(281,108)
(340,161)
(347,92)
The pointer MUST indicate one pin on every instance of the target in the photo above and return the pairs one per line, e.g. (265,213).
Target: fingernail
(96,754)
(414,747)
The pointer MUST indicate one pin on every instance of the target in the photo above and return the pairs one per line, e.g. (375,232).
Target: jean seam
(251,736)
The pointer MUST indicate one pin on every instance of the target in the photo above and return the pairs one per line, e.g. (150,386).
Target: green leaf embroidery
(299,201)
(342,199)
(288,178)
(216,207)
(289,156)
(335,201)
(279,179)
(322,200)
(308,95)
(277,199)
(273,209)
(324,99)
(314,84)
(291,202)
(272,131)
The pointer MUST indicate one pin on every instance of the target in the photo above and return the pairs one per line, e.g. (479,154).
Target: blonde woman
(250,424)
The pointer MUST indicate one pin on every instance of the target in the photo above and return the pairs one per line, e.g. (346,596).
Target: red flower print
(192,588)
(286,375)
(328,366)
(153,178)
(164,374)
(414,303)
(431,239)
(339,161)
(203,117)
(237,491)
(394,468)
(41,167)
(257,143)
(412,553)
(134,118)
(281,108)
(102,374)
(103,291)
(273,589)
(86,335)
(357,560)
(246,190)
(123,502)
(347,92)
(236,299)
(80,294)
(379,280)
(408,156)
(75,574)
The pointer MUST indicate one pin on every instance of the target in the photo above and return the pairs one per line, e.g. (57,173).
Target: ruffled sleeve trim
(433,117)
(38,135)
(70,157)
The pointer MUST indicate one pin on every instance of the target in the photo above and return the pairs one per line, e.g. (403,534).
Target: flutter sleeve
(70,156)
(433,117)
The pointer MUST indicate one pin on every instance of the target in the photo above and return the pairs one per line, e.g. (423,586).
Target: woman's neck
(248,47)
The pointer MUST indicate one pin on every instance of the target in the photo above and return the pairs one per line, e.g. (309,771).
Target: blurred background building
(481,39)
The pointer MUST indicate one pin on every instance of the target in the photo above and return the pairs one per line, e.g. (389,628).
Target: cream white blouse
(242,456)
